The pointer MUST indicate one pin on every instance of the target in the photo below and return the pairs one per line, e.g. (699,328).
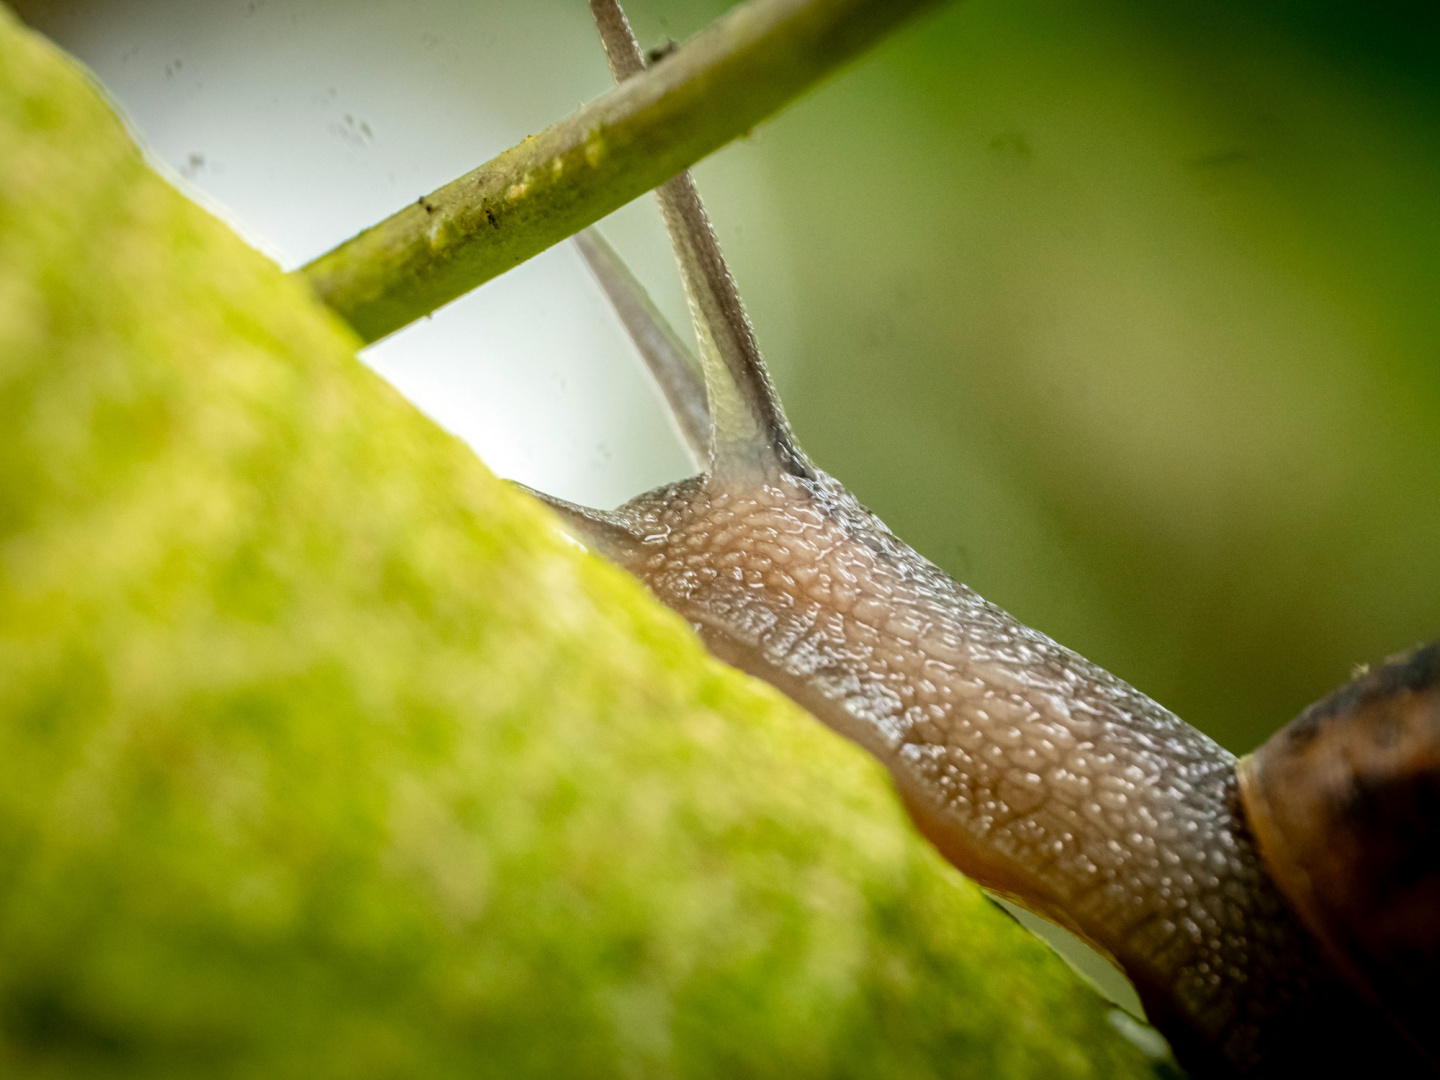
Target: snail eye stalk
(672,363)
(749,434)
(722,402)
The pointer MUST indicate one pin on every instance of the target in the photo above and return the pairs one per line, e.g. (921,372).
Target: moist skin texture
(1036,772)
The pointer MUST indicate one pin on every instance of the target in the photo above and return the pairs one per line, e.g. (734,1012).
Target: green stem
(717,86)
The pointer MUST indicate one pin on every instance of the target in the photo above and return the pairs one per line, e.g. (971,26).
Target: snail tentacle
(603,531)
(749,434)
(671,363)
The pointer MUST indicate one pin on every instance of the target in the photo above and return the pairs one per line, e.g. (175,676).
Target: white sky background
(304,121)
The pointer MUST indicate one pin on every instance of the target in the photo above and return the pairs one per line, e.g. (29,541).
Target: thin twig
(716,87)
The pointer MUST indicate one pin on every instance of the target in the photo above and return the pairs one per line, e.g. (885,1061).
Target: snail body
(1037,773)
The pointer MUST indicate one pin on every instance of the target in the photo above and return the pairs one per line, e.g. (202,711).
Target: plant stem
(717,86)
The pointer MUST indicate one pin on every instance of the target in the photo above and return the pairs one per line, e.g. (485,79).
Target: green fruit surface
(324,754)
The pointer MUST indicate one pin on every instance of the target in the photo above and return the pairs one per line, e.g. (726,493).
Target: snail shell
(1345,805)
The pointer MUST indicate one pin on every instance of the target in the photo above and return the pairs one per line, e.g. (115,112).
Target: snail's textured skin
(1035,771)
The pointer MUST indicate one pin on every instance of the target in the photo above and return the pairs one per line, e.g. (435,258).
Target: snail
(1277,915)
(1344,803)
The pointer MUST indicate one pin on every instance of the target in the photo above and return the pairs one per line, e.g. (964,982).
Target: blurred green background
(1123,313)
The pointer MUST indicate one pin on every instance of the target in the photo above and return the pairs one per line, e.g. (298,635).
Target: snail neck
(1034,771)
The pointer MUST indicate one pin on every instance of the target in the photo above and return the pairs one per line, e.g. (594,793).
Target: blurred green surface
(322,753)
(1127,314)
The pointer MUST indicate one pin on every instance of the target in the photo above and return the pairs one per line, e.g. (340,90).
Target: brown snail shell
(1345,805)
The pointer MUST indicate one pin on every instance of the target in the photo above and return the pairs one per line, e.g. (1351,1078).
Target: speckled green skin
(322,754)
